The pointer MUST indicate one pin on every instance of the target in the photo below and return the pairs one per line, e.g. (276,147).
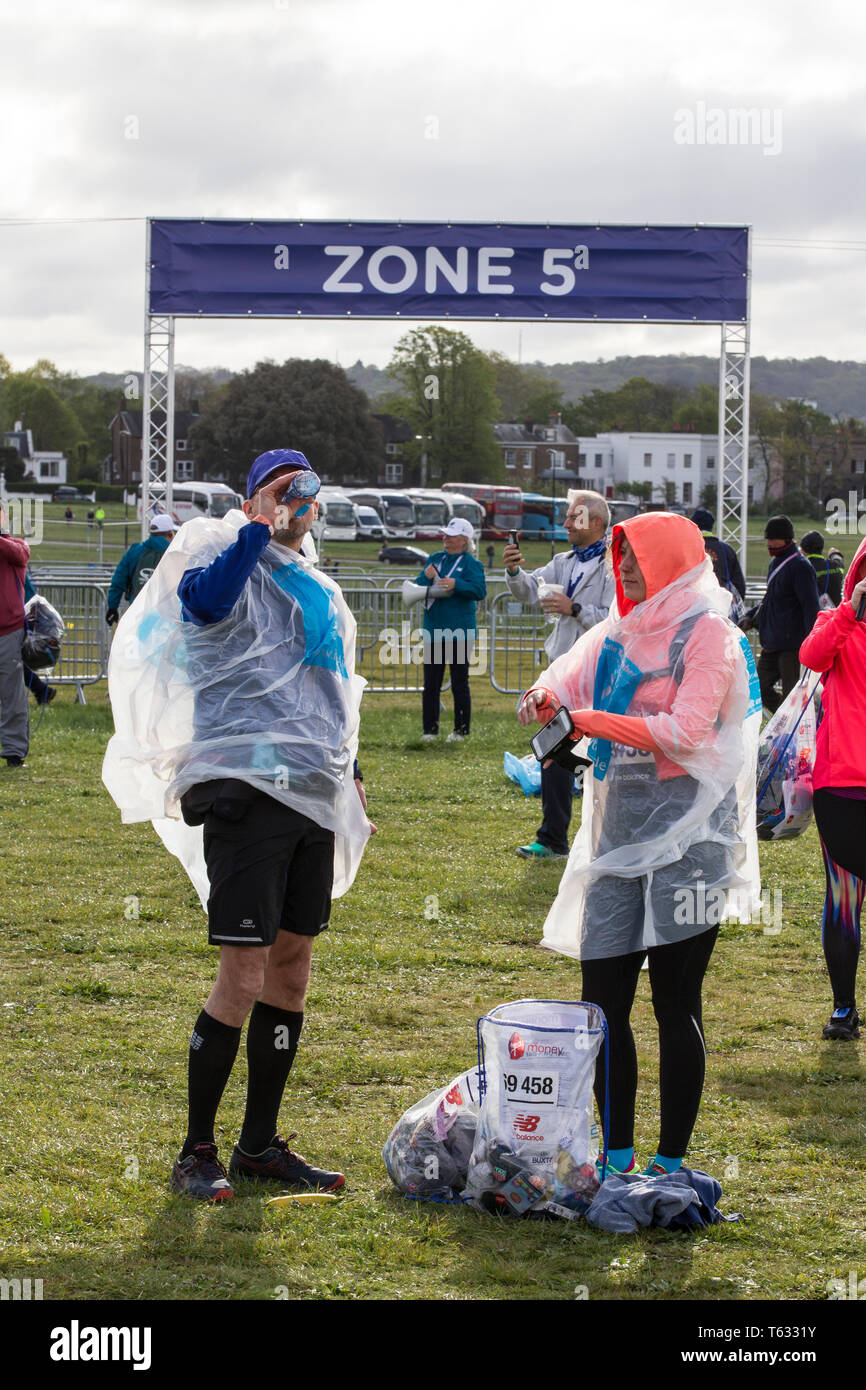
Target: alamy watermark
(846,517)
(414,646)
(26,518)
(732,125)
(702,906)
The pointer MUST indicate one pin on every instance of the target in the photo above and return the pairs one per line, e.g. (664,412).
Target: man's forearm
(209,593)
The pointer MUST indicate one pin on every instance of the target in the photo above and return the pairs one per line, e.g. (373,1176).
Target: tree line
(448,396)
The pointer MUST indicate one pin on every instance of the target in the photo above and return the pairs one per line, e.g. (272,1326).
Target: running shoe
(843,1025)
(619,1172)
(201,1175)
(455,737)
(538,851)
(657,1170)
(427,738)
(279,1163)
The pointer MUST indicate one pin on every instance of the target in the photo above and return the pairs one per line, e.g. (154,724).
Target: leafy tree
(300,404)
(525,393)
(641,492)
(28,397)
(11,464)
(448,397)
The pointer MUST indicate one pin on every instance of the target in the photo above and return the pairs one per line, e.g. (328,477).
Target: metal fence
(84,651)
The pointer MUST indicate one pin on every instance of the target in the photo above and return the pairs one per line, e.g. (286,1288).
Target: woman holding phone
(666,689)
(837,646)
(455,581)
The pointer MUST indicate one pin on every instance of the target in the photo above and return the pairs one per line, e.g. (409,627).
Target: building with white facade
(678,465)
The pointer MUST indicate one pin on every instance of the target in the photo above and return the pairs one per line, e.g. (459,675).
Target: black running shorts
(270,870)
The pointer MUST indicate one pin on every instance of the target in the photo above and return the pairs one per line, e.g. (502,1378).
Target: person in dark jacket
(723,556)
(138,564)
(786,614)
(829,569)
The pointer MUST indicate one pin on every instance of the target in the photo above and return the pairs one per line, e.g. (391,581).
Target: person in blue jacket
(138,564)
(456,583)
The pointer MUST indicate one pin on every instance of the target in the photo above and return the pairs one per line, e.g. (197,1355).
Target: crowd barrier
(84,651)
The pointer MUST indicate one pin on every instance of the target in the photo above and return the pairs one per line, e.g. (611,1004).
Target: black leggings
(676,975)
(841,822)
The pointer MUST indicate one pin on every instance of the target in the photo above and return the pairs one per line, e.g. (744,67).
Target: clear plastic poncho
(667,844)
(268,695)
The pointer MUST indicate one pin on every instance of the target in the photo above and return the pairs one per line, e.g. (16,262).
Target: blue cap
(268,463)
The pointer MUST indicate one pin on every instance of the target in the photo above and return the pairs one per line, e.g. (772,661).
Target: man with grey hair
(577,587)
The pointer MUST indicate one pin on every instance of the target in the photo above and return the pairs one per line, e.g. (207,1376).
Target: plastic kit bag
(526,772)
(536,1143)
(44,633)
(427,1152)
(786,761)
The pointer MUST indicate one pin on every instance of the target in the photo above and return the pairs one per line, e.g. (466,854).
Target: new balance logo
(526,1124)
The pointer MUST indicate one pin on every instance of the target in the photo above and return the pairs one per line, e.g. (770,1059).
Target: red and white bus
(503,506)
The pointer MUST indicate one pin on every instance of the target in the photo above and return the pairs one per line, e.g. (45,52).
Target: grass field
(441,925)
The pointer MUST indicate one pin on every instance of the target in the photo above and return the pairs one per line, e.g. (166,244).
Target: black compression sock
(272,1041)
(213,1047)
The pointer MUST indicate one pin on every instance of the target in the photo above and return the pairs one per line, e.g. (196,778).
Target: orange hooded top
(666,546)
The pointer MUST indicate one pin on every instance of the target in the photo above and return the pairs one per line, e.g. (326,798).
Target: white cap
(162,523)
(458,526)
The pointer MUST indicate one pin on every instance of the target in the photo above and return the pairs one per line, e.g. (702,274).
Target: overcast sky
(116,110)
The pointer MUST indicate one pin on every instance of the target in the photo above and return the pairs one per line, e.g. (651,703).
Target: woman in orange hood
(666,688)
(837,646)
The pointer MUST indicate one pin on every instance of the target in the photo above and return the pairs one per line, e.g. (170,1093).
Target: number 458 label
(542,1087)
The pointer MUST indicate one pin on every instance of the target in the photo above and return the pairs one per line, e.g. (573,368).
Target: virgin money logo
(516,1046)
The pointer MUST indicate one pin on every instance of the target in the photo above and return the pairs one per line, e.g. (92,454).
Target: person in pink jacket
(836,646)
(14,722)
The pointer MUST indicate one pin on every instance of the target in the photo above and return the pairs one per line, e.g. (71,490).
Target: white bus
(190,500)
(434,509)
(338,515)
(395,508)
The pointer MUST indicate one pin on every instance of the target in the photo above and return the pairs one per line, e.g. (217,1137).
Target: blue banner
(419,270)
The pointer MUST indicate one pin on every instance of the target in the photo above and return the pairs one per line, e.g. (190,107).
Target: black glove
(111,616)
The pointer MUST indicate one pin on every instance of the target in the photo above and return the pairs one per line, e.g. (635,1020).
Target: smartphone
(556,732)
(512,537)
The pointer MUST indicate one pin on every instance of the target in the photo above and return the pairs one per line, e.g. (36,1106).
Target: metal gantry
(157,425)
(733,500)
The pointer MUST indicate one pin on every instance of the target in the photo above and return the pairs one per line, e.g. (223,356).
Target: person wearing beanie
(723,556)
(138,564)
(786,614)
(829,569)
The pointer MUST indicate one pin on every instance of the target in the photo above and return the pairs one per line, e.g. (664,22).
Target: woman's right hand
(857,595)
(431,572)
(538,706)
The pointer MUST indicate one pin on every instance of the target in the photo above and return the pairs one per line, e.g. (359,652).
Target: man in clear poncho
(667,691)
(235,703)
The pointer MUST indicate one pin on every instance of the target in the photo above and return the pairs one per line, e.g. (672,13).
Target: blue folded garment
(676,1201)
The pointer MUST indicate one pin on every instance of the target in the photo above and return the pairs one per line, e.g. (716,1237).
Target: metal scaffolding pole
(732,510)
(157,426)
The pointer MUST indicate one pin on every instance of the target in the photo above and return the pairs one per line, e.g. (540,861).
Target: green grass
(96,1007)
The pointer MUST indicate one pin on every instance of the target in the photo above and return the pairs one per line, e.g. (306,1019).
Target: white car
(370,526)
